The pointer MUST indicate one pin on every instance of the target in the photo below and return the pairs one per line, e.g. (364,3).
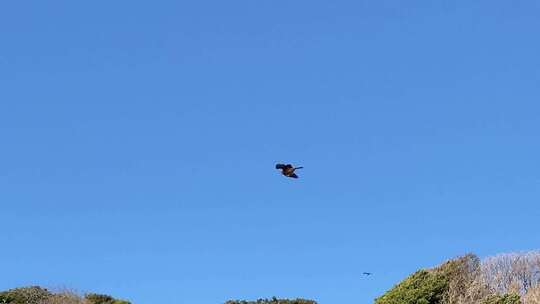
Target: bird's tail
(298,168)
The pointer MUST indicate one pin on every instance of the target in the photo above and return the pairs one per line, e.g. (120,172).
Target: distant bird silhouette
(288,170)
(367,273)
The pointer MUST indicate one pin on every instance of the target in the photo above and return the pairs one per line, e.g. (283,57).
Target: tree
(422,287)
(511,272)
(447,283)
(462,274)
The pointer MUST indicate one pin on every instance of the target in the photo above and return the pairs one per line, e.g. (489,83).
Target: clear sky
(138,142)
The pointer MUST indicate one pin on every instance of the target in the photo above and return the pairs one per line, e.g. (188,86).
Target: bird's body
(367,273)
(288,170)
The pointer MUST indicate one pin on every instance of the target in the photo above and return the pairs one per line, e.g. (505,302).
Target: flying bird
(367,273)
(288,170)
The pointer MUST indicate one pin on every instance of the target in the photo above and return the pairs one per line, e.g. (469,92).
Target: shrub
(65,297)
(506,299)
(94,298)
(25,295)
(274,300)
(38,295)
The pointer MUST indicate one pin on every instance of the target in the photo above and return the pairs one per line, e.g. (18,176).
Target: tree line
(510,278)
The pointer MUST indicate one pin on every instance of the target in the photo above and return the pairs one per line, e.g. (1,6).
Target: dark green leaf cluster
(506,299)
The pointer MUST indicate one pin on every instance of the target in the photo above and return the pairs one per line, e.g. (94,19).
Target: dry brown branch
(533,295)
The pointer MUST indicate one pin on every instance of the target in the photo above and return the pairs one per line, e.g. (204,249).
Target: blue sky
(138,143)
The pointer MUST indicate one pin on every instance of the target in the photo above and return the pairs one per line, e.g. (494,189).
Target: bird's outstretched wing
(283,166)
(293,175)
(280,166)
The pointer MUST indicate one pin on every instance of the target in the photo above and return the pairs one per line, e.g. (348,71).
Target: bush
(506,299)
(65,297)
(94,298)
(274,300)
(38,295)
(25,295)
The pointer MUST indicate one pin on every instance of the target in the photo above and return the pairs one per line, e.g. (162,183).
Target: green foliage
(422,287)
(94,298)
(506,299)
(455,281)
(274,300)
(38,295)
(25,295)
